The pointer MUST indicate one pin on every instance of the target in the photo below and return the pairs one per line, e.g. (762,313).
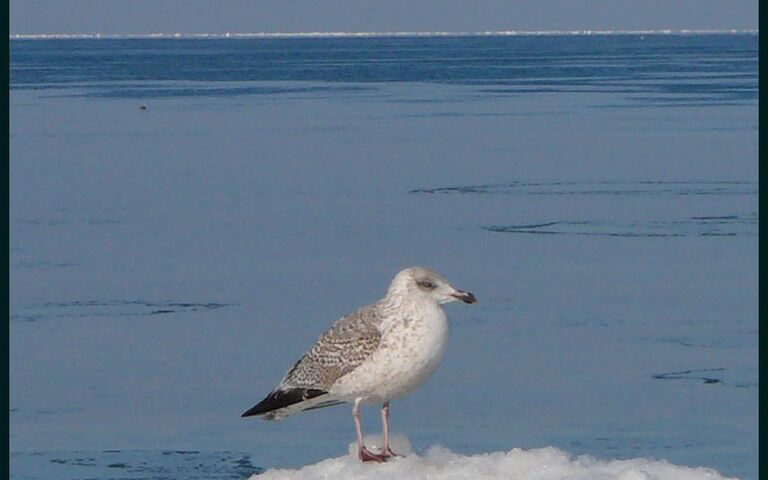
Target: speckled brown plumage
(338,351)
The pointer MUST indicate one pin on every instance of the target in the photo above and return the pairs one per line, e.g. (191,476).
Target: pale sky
(244,16)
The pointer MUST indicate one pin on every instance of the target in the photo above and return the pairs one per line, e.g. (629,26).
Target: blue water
(187,216)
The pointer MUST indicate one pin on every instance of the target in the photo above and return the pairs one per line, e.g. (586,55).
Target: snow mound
(438,463)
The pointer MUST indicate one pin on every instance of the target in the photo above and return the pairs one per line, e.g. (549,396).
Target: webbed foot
(366,455)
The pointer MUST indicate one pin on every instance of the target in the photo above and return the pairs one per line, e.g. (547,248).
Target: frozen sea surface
(170,262)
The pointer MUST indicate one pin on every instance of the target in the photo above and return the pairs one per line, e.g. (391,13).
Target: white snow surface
(438,463)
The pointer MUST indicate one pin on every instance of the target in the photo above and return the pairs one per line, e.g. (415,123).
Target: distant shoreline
(277,35)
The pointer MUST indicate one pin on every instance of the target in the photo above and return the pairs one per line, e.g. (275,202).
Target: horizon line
(256,35)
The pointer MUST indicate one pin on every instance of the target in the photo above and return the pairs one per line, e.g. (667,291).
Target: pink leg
(363,453)
(387,452)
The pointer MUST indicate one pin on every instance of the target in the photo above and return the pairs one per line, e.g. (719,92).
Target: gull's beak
(463,296)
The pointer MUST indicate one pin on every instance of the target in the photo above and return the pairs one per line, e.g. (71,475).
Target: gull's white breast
(411,347)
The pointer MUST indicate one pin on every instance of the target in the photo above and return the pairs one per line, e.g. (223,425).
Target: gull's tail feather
(281,403)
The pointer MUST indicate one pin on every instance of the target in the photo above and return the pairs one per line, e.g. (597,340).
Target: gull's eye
(426,284)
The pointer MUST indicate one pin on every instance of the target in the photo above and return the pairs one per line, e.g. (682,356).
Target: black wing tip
(250,412)
(278,399)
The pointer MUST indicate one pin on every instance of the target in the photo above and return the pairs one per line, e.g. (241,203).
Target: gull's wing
(337,352)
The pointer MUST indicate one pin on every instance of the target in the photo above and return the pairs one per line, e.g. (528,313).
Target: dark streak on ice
(153,465)
(720,226)
(111,308)
(691,375)
(601,188)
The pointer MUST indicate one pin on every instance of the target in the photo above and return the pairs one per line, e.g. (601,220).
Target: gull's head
(423,283)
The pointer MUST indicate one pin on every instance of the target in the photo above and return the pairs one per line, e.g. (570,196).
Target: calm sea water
(187,216)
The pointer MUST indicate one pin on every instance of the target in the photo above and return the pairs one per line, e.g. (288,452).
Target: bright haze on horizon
(243,16)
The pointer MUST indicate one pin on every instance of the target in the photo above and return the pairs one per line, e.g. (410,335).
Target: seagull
(374,355)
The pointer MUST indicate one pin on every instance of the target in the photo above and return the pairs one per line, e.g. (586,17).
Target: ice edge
(256,35)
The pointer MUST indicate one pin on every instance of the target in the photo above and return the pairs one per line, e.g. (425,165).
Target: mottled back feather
(338,351)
